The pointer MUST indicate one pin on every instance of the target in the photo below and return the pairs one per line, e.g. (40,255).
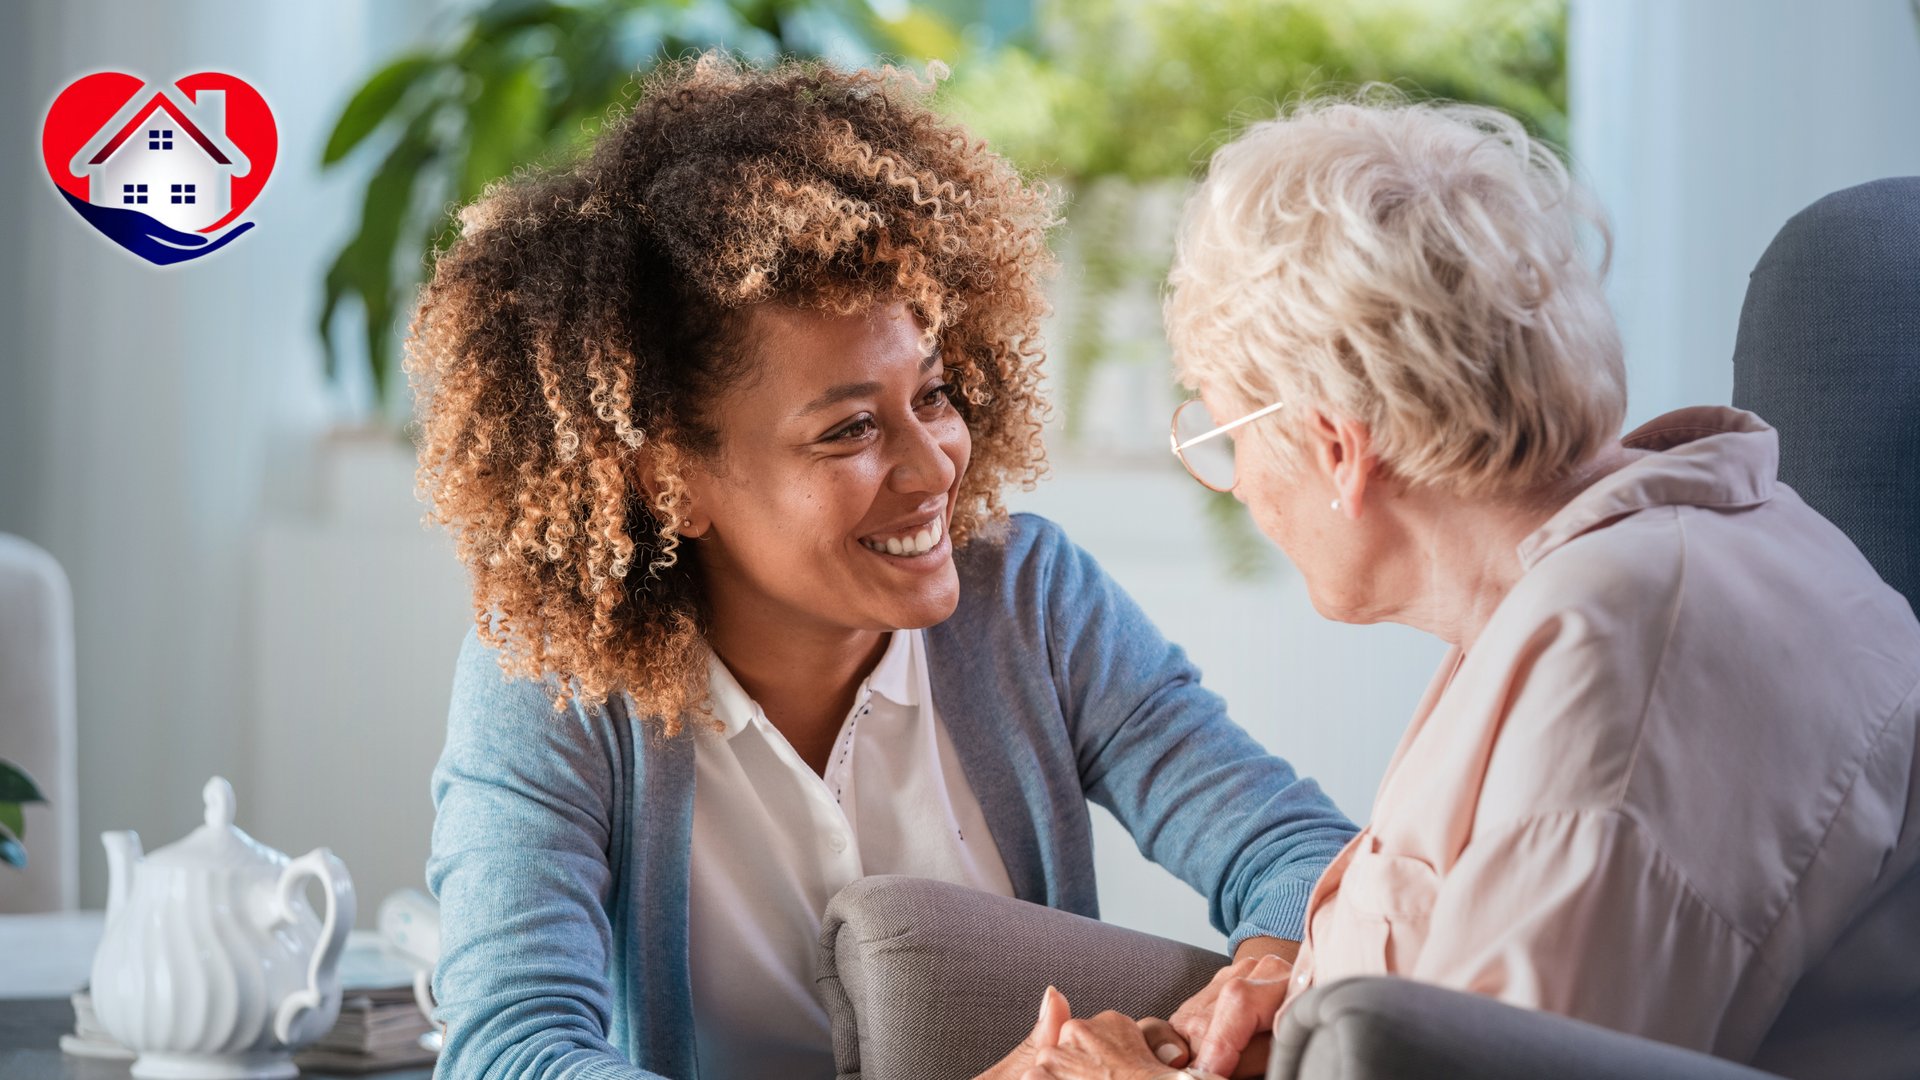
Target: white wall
(150,417)
(1704,125)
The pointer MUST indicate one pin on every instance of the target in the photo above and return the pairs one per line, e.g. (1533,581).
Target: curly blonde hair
(591,310)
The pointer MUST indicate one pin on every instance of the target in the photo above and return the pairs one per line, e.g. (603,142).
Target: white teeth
(917,544)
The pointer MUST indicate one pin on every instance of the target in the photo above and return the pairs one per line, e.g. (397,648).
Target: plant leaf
(364,268)
(505,16)
(501,121)
(11,852)
(372,103)
(13,820)
(17,786)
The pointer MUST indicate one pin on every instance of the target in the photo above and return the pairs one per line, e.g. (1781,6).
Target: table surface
(47,958)
(30,1030)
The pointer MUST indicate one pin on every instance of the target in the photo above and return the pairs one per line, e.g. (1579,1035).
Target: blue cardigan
(561,841)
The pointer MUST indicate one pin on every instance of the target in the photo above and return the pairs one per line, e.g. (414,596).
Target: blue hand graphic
(150,239)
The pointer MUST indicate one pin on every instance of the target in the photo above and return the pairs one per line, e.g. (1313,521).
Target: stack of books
(378,1029)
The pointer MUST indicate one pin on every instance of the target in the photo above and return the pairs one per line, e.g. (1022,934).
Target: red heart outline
(92,100)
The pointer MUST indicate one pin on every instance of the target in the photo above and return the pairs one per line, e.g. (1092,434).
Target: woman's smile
(924,541)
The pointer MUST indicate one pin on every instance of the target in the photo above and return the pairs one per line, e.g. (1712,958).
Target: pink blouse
(1675,787)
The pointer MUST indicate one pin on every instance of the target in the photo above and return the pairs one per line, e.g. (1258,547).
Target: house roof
(135,112)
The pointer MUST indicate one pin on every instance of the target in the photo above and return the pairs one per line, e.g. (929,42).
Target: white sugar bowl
(212,965)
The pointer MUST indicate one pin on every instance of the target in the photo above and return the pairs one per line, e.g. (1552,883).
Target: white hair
(1414,267)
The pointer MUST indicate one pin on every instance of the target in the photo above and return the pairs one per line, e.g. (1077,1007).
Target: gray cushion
(1829,354)
(1397,1029)
(927,980)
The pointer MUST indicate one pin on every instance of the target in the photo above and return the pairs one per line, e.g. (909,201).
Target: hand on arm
(1228,1024)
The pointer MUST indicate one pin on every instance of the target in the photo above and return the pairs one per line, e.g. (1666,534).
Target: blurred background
(216,452)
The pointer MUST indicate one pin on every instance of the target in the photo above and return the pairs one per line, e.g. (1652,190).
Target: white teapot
(212,965)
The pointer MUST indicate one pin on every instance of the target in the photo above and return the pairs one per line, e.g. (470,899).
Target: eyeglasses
(1196,441)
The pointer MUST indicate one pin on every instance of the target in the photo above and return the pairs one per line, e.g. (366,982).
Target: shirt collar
(893,678)
(1707,456)
(731,704)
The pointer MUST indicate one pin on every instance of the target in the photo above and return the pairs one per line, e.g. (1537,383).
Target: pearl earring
(686,523)
(1336,504)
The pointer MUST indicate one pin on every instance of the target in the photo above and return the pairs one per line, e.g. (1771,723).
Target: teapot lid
(218,843)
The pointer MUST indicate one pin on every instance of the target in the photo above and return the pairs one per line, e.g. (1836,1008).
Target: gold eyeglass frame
(1180,448)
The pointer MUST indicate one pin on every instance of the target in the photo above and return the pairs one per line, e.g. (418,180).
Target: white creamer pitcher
(212,965)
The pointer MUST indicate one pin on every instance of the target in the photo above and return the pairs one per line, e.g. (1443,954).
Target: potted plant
(16,790)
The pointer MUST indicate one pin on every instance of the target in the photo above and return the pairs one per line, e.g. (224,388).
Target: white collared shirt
(773,842)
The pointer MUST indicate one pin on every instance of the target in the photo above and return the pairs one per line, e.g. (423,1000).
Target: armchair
(930,981)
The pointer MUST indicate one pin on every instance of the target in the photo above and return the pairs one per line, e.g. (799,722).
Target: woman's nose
(923,463)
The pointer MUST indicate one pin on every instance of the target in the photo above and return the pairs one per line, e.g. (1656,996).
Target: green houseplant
(16,790)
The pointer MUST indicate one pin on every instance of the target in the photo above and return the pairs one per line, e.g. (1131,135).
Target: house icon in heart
(165,171)
(165,155)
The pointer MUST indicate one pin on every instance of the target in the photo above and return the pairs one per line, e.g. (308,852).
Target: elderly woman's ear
(1342,453)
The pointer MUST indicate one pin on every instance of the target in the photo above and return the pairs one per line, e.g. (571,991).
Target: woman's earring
(1336,504)
(686,523)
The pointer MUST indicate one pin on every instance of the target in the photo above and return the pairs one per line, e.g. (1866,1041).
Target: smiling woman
(614,296)
(830,517)
(720,417)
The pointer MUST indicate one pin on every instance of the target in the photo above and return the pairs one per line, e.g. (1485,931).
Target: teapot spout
(123,854)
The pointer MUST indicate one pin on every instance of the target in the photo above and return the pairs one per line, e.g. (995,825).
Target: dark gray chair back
(1398,1029)
(1829,354)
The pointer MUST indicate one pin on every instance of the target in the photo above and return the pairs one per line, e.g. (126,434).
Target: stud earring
(1336,504)
(686,523)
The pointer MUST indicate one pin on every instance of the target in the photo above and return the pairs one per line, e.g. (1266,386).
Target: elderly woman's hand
(1226,1024)
(1062,1047)
(1110,1046)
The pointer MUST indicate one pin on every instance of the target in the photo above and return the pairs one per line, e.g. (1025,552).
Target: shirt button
(838,841)
(1300,979)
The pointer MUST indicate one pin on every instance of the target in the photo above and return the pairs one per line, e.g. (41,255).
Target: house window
(159,138)
(133,194)
(182,193)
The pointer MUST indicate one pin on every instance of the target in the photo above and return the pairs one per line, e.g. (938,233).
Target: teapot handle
(324,865)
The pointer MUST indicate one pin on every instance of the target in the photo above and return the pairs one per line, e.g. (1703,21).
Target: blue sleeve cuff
(1281,913)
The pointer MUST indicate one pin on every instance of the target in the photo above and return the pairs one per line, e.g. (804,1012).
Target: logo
(161,170)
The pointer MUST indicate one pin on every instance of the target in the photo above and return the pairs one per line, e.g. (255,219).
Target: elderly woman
(1665,779)
(720,416)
